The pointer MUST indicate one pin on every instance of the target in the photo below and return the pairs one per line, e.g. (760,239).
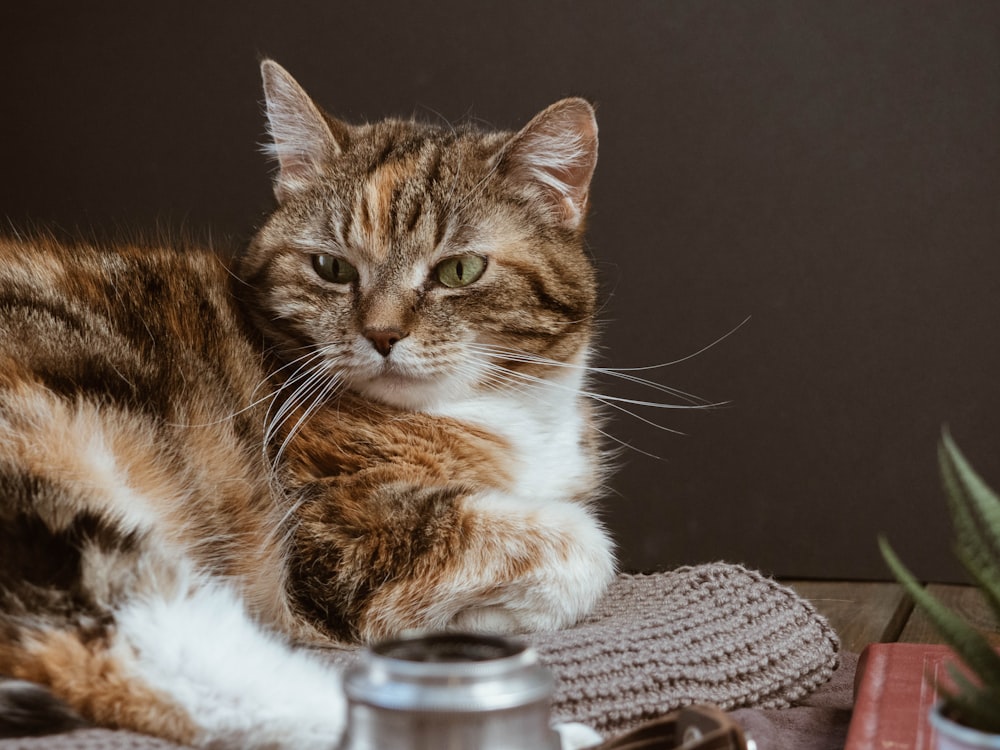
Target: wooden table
(865,612)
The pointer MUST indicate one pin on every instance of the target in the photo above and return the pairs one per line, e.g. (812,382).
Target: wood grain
(966,601)
(860,612)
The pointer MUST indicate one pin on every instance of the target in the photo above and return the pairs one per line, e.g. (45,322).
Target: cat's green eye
(459,271)
(334,269)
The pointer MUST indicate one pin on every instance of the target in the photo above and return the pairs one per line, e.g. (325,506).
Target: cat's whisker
(310,353)
(283,525)
(220,420)
(232,415)
(500,383)
(621,372)
(685,358)
(313,382)
(628,446)
(273,421)
(306,379)
(254,403)
(501,378)
(325,387)
(611,402)
(268,396)
(694,402)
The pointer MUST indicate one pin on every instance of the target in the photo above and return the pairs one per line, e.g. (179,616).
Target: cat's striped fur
(371,423)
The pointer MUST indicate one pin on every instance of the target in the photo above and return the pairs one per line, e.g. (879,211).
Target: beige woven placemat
(715,633)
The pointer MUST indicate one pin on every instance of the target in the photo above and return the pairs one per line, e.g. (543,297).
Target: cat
(372,421)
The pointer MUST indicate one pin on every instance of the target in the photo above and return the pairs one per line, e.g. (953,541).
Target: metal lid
(452,672)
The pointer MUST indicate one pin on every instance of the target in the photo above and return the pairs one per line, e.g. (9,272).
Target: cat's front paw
(489,620)
(550,564)
(522,566)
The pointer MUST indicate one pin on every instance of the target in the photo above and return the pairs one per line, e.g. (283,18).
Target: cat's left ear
(557,152)
(303,138)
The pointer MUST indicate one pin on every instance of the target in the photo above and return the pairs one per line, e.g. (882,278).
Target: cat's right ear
(303,139)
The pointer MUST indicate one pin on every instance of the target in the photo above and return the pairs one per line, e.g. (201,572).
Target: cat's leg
(191,668)
(241,686)
(194,670)
(538,567)
(425,558)
(128,637)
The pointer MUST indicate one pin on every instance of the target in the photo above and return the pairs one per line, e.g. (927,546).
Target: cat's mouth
(400,388)
(405,382)
(394,369)
(391,374)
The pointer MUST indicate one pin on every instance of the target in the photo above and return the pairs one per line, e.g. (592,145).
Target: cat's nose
(383,339)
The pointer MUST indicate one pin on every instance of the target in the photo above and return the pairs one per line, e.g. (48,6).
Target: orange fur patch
(98,684)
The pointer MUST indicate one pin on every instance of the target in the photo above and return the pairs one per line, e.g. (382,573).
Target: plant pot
(954,736)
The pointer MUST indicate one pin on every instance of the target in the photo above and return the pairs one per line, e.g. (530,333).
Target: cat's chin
(405,391)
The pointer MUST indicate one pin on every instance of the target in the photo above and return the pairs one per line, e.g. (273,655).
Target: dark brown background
(829,169)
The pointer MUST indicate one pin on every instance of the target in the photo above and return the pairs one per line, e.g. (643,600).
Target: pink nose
(383,339)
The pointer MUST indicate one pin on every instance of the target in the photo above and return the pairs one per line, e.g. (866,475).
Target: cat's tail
(27,710)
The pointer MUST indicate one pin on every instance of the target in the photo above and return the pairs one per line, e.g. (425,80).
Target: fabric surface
(715,633)
(818,722)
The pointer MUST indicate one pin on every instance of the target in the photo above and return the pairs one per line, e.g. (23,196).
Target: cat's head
(412,259)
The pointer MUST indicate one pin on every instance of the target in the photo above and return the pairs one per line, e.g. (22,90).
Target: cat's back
(127,382)
(140,337)
(87,291)
(128,324)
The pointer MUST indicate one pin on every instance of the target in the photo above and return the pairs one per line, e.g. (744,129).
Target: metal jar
(449,692)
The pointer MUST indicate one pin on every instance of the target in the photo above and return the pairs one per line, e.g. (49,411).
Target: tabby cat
(372,422)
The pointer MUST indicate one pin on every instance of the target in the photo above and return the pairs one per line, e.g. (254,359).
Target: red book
(894,689)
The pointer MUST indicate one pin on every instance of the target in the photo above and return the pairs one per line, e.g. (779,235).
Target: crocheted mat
(715,633)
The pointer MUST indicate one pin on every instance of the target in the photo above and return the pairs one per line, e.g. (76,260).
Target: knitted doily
(714,633)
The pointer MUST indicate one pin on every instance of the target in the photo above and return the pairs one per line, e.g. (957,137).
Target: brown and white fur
(373,422)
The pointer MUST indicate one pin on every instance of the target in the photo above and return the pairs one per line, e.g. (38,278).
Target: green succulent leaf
(975,514)
(968,642)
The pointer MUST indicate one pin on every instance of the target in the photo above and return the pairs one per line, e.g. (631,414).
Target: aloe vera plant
(975,516)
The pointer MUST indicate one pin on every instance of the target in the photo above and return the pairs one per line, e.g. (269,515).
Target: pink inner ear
(302,139)
(558,151)
(294,163)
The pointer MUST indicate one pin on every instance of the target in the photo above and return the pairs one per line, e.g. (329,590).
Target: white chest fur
(544,425)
